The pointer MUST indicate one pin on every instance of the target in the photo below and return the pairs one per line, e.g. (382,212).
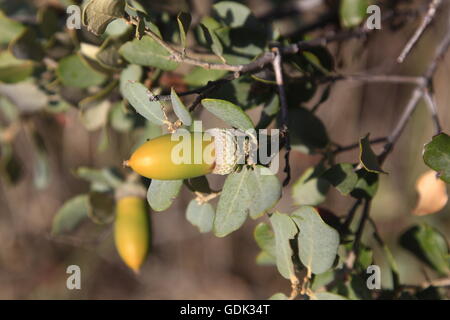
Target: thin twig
(198,90)
(416,95)
(180,56)
(283,112)
(445,282)
(340,149)
(201,91)
(265,59)
(213,85)
(431,104)
(375,78)
(401,124)
(434,4)
(439,283)
(210,87)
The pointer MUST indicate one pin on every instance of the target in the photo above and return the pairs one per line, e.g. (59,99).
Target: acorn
(132,231)
(172,157)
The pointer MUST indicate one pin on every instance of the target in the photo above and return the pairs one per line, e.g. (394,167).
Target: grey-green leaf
(437,155)
(367,185)
(95,116)
(14,70)
(97,14)
(180,109)
(285,230)
(30,99)
(233,204)
(317,242)
(232,13)
(161,193)
(429,245)
(367,157)
(265,190)
(184,21)
(131,73)
(10,28)
(342,176)
(147,52)
(74,71)
(117,28)
(120,118)
(200,215)
(71,214)
(198,76)
(265,238)
(213,41)
(139,97)
(228,112)
(105,177)
(310,189)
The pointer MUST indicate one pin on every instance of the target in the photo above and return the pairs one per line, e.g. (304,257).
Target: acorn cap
(225,147)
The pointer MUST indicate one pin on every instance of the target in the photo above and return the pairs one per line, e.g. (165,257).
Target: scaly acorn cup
(182,156)
(132,231)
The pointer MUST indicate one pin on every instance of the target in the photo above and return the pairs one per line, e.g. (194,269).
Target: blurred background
(184,264)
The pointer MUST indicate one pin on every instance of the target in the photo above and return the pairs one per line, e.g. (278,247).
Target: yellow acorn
(132,231)
(183,156)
